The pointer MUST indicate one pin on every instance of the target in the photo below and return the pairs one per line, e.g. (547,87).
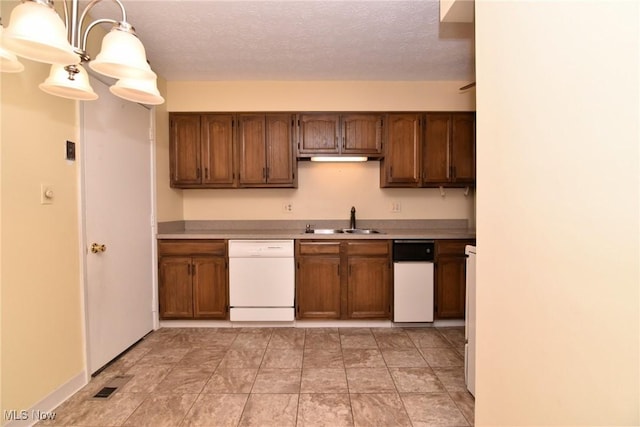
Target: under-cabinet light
(338,159)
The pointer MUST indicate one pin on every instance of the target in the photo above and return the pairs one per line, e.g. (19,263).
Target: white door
(118,211)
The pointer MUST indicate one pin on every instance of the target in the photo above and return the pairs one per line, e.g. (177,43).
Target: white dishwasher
(261,280)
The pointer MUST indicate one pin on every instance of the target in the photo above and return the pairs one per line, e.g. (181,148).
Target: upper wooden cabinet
(265,150)
(201,150)
(401,164)
(449,149)
(439,153)
(333,134)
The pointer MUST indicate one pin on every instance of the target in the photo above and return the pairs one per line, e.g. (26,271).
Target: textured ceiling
(300,40)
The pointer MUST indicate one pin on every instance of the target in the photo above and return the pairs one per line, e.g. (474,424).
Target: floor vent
(112,386)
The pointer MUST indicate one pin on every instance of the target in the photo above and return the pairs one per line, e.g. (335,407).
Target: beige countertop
(276,229)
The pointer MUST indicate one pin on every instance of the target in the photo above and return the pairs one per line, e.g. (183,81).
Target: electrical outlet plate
(287,207)
(396,207)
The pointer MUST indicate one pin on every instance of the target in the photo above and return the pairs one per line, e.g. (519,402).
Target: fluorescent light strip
(338,159)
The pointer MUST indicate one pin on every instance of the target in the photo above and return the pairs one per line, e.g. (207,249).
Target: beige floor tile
(355,331)
(231,381)
(466,403)
(184,381)
(324,341)
(321,358)
(242,358)
(108,412)
(403,358)
(395,340)
(441,357)
(363,358)
(160,410)
(427,337)
(205,358)
(433,409)
(350,341)
(416,380)
(324,380)
(455,335)
(378,409)
(164,355)
(264,410)
(271,380)
(369,380)
(250,340)
(452,378)
(324,410)
(282,358)
(145,378)
(219,410)
(287,338)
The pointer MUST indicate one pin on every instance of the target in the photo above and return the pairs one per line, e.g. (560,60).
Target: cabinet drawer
(319,248)
(192,247)
(368,248)
(451,247)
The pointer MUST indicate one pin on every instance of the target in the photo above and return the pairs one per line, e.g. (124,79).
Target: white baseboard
(44,408)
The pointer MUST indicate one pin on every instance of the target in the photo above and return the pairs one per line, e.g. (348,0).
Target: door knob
(96,248)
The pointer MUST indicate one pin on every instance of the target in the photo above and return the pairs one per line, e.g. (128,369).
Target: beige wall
(325,191)
(42,337)
(558,213)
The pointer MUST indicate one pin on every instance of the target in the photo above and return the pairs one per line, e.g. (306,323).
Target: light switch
(47,194)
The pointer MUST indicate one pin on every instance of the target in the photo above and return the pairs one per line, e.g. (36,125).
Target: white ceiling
(299,40)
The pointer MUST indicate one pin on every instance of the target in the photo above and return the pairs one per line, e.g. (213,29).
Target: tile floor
(283,377)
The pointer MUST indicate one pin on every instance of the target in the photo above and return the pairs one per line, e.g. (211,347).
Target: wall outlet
(287,207)
(396,207)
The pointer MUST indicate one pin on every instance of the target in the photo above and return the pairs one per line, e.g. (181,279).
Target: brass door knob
(97,248)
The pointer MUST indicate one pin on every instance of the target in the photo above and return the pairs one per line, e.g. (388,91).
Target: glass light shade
(36,32)
(8,61)
(122,56)
(143,91)
(58,84)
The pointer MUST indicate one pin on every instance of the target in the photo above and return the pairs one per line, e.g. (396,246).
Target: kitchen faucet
(352,220)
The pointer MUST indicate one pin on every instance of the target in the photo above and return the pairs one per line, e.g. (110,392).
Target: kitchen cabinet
(192,279)
(343,279)
(318,286)
(368,279)
(201,150)
(400,166)
(266,154)
(449,149)
(358,134)
(450,278)
(441,154)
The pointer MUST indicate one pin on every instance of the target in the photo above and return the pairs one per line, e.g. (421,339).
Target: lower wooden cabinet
(450,278)
(343,279)
(192,279)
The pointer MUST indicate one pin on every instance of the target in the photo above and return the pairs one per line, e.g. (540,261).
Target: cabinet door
(463,147)
(362,134)
(368,288)
(209,287)
(217,150)
(401,165)
(252,149)
(318,287)
(175,291)
(280,155)
(435,161)
(318,134)
(450,287)
(184,151)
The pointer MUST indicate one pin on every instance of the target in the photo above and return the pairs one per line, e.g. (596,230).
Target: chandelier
(37,32)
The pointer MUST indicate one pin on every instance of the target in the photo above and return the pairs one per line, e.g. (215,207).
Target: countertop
(280,229)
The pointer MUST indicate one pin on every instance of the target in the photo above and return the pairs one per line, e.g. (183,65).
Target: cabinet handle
(206,173)
(188,269)
(198,173)
(338,270)
(390,171)
(454,172)
(264,173)
(267,172)
(344,142)
(193,269)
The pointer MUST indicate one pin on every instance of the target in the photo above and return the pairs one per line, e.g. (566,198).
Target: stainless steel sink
(361,231)
(323,231)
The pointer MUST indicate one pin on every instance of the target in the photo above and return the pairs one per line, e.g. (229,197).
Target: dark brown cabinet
(192,279)
(449,149)
(265,150)
(201,150)
(401,164)
(343,279)
(450,278)
(318,280)
(358,134)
